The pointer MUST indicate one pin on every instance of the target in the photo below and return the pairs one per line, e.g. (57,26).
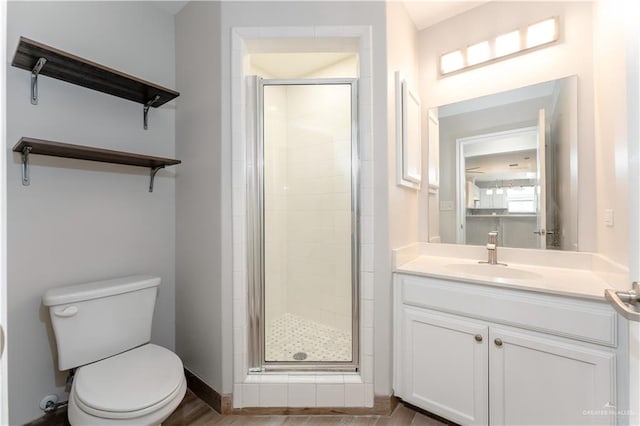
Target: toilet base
(77,417)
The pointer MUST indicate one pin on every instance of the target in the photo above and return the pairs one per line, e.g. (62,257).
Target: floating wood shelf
(28,146)
(38,58)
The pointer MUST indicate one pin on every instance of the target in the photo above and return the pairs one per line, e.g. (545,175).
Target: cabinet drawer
(585,320)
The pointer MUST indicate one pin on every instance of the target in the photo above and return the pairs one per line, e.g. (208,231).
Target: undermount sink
(494,271)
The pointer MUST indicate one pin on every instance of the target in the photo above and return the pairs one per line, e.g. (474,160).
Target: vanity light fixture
(502,46)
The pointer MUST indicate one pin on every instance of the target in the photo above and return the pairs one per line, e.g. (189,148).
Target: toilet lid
(130,381)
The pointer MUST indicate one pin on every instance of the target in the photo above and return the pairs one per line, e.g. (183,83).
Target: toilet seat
(129,385)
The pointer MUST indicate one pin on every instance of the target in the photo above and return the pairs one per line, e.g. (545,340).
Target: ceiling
(423,13)
(296,65)
(171,6)
(503,166)
(544,92)
(426,13)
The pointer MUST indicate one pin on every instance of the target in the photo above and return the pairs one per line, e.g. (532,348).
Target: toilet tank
(96,320)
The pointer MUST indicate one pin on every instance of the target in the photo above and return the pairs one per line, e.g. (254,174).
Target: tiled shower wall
(307,390)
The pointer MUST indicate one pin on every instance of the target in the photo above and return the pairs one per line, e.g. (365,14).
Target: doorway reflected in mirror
(508,163)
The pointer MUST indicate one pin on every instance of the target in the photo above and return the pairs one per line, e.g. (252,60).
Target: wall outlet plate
(608,217)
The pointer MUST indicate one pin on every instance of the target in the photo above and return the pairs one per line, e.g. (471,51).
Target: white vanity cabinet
(476,354)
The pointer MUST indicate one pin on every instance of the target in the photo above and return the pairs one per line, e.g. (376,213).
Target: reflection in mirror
(508,163)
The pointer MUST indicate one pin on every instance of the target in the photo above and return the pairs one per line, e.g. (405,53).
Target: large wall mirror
(509,163)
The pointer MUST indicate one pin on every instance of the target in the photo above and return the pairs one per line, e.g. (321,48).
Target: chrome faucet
(492,249)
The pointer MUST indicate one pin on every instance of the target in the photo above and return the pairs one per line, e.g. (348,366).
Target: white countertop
(573,282)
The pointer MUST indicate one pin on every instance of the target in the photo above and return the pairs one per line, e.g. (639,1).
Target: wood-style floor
(194,411)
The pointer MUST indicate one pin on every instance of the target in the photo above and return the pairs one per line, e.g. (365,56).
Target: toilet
(102,330)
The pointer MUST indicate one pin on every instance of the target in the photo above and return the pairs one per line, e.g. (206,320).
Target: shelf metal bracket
(154,170)
(34,80)
(145,110)
(25,165)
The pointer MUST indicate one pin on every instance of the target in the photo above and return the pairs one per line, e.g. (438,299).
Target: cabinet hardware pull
(498,342)
(478,337)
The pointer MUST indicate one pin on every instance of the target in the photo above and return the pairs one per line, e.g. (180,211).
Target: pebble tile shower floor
(291,335)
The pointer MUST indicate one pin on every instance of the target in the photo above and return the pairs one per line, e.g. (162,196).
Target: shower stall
(303,224)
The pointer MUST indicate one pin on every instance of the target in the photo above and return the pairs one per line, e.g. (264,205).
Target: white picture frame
(408,134)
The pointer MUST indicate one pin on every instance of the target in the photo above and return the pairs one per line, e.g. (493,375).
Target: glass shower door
(309,226)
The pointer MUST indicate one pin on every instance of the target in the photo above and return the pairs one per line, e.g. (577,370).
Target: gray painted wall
(83,221)
(199,245)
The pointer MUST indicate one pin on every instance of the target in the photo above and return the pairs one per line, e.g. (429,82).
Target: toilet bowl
(103,330)
(141,386)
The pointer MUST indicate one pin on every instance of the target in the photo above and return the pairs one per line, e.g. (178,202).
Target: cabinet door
(538,380)
(444,365)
